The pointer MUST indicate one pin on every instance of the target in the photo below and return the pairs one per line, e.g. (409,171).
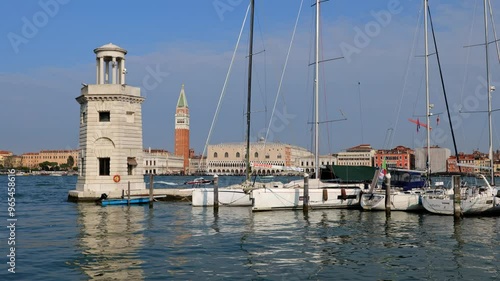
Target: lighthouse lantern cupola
(110,64)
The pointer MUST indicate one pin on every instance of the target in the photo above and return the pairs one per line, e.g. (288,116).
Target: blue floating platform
(140,200)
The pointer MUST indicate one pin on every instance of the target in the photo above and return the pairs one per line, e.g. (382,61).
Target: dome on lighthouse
(110,47)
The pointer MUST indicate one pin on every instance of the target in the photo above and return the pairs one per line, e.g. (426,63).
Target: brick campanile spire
(182,129)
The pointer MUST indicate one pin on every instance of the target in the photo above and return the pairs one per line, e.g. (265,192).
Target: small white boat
(475,200)
(404,194)
(400,200)
(234,196)
(321,196)
(199,181)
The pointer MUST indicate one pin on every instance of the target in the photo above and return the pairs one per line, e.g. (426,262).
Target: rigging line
(243,105)
(265,86)
(467,59)
(494,30)
(283,72)
(481,135)
(388,136)
(496,133)
(323,78)
(360,112)
(444,90)
(265,80)
(244,95)
(310,74)
(405,80)
(417,97)
(422,81)
(263,92)
(223,92)
(466,70)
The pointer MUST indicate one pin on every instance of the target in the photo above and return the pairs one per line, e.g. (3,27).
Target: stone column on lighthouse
(111,152)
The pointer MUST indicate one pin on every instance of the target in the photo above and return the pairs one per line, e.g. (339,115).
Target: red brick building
(472,163)
(182,129)
(400,157)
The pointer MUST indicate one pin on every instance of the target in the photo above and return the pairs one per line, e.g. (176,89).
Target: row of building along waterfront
(271,159)
(267,158)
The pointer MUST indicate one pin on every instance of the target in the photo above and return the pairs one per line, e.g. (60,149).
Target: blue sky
(47,47)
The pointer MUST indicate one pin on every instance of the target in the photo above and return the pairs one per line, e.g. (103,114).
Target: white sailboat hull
(400,201)
(268,199)
(203,197)
(231,196)
(472,205)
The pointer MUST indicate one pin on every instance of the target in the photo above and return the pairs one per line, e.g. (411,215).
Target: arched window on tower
(256,155)
(237,155)
(226,155)
(215,154)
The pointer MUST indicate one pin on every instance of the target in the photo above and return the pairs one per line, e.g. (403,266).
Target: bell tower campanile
(182,129)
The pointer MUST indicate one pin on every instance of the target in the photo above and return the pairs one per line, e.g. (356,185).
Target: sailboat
(235,195)
(322,194)
(475,199)
(479,198)
(406,200)
(401,200)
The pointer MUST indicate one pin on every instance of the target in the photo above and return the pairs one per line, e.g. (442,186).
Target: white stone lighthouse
(110,130)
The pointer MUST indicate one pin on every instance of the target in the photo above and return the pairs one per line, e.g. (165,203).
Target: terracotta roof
(59,151)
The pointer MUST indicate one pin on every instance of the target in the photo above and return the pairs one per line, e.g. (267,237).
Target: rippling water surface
(58,240)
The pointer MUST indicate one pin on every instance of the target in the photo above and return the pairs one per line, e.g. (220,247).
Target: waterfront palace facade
(265,158)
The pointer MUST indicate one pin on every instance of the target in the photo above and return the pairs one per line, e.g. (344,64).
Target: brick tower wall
(182,145)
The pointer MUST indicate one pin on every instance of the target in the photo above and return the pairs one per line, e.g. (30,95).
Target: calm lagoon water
(59,240)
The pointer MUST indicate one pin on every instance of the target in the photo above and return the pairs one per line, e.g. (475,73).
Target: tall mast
(488,88)
(249,94)
(316,97)
(428,113)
